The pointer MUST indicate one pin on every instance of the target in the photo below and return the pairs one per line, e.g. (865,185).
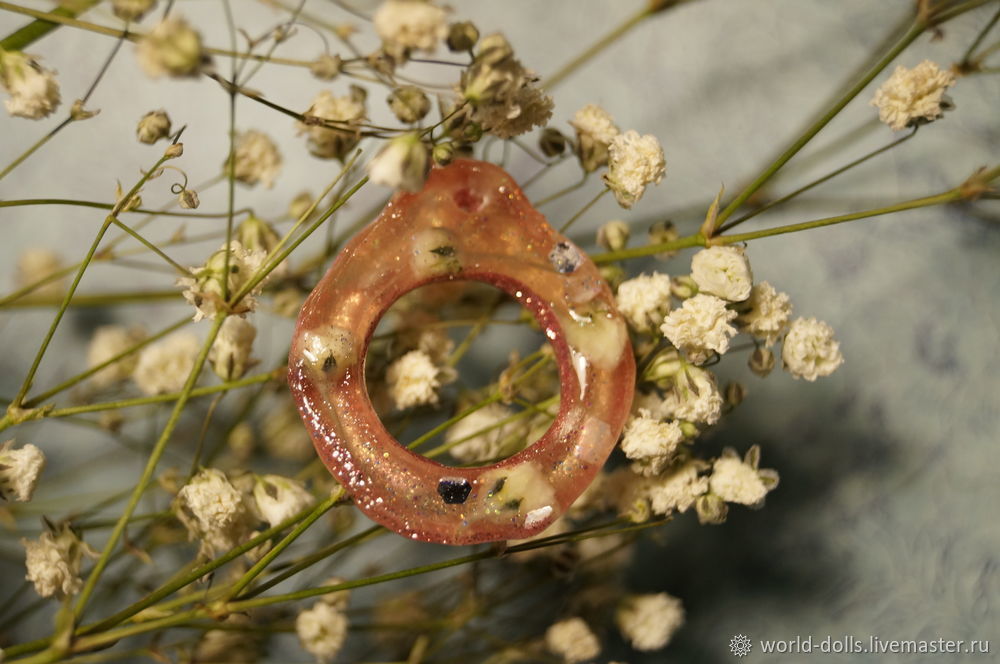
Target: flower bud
(613,235)
(131,10)
(761,361)
(153,126)
(402,163)
(667,364)
(300,205)
(326,67)
(689,429)
(409,103)
(683,287)
(711,509)
(552,143)
(462,36)
(735,393)
(443,153)
(174,150)
(256,234)
(188,199)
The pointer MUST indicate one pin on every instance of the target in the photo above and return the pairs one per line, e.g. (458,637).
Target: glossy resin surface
(470,222)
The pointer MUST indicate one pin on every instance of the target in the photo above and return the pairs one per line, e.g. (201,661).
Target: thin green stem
(967,57)
(147,473)
(815,183)
(582,211)
(37,145)
(101,300)
(29,34)
(155,249)
(26,385)
(108,206)
(915,31)
(696,240)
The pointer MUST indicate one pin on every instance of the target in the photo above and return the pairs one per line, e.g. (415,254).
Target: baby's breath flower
(767,317)
(257,158)
(132,10)
(322,630)
(572,640)
(345,115)
(595,129)
(326,67)
(722,271)
(650,443)
(172,48)
(703,324)
(634,162)
(53,562)
(188,199)
(462,36)
(38,264)
(204,290)
(503,95)
(34,92)
(410,24)
(413,380)
(214,512)
(649,621)
(164,367)
(491,444)
(153,126)
(19,471)
(107,342)
(694,397)
(626,492)
(409,103)
(402,163)
(230,353)
(644,300)
(613,235)
(677,488)
(337,600)
(279,498)
(913,96)
(740,481)
(809,349)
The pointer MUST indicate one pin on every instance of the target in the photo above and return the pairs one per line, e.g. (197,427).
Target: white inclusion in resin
(580,366)
(599,336)
(522,488)
(327,348)
(536,516)
(434,253)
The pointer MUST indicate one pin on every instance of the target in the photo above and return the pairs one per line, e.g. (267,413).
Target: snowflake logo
(740,645)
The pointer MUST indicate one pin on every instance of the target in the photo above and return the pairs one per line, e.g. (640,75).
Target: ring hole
(499,350)
(468,200)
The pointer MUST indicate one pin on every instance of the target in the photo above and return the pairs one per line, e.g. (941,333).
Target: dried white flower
(204,289)
(19,471)
(230,353)
(164,367)
(132,10)
(280,498)
(172,48)
(700,326)
(649,621)
(722,271)
(53,562)
(490,444)
(767,317)
(326,67)
(34,92)
(595,122)
(913,96)
(613,235)
(677,488)
(339,599)
(345,115)
(644,301)
(738,480)
(634,162)
(257,158)
(410,24)
(809,349)
(413,380)
(694,397)
(107,342)
(37,265)
(650,443)
(402,163)
(409,103)
(572,640)
(503,95)
(153,126)
(322,630)
(214,511)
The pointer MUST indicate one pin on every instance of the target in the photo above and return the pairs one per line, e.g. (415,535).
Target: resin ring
(470,222)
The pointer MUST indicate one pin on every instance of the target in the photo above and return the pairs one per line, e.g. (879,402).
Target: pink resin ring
(470,222)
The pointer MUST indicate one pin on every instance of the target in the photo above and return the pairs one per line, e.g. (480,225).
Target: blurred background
(885,520)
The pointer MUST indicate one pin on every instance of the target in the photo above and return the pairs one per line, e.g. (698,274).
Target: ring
(470,222)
